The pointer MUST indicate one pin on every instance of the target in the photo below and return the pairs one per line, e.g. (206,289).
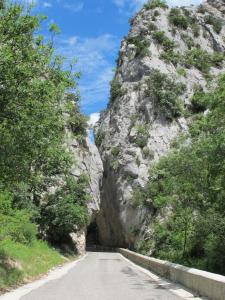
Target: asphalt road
(103,276)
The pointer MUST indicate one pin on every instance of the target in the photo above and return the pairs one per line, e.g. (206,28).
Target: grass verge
(20,263)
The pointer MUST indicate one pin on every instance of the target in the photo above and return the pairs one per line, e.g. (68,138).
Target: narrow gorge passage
(104,276)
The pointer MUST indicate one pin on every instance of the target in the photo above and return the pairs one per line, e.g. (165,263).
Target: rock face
(88,162)
(161,65)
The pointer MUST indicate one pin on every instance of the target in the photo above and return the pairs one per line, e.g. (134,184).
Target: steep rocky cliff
(168,55)
(87,162)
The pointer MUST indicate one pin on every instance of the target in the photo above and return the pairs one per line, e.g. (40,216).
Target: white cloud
(74,7)
(94,57)
(131,4)
(31,2)
(90,52)
(93,119)
(134,5)
(72,40)
(183,2)
(96,89)
(47,4)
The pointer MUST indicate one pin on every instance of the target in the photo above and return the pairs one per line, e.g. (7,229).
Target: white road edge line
(176,289)
(56,273)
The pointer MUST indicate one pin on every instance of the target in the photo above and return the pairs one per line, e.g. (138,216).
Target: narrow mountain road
(105,276)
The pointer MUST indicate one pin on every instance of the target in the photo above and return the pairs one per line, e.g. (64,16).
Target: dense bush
(195,27)
(215,22)
(199,59)
(141,45)
(178,19)
(77,122)
(202,9)
(65,211)
(15,224)
(152,27)
(202,59)
(171,57)
(199,102)
(162,39)
(166,94)
(116,151)
(181,72)
(188,40)
(142,136)
(151,4)
(138,197)
(116,90)
(99,137)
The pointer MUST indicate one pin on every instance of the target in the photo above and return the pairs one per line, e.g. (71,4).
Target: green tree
(38,101)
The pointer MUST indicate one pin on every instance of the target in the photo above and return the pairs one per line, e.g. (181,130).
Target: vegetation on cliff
(186,189)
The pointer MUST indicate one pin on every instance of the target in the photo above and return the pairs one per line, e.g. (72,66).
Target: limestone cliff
(168,55)
(87,162)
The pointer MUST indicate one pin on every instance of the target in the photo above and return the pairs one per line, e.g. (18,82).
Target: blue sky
(91,31)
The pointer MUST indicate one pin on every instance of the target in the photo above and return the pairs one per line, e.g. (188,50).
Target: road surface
(103,276)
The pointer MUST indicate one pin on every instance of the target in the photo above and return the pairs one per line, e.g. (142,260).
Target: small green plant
(178,19)
(115,164)
(186,12)
(215,22)
(99,138)
(144,246)
(195,28)
(135,230)
(174,31)
(201,9)
(115,151)
(138,197)
(148,153)
(188,40)
(142,136)
(205,33)
(181,72)
(217,58)
(133,120)
(151,4)
(198,58)
(138,162)
(166,93)
(156,13)
(141,45)
(152,27)
(178,142)
(116,90)
(171,57)
(162,39)
(199,102)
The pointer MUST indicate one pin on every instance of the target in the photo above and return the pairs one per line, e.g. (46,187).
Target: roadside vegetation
(186,190)
(36,106)
(19,263)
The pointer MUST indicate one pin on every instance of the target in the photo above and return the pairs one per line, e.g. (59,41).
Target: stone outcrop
(135,130)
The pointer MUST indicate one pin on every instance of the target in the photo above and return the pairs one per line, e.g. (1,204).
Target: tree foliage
(38,101)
